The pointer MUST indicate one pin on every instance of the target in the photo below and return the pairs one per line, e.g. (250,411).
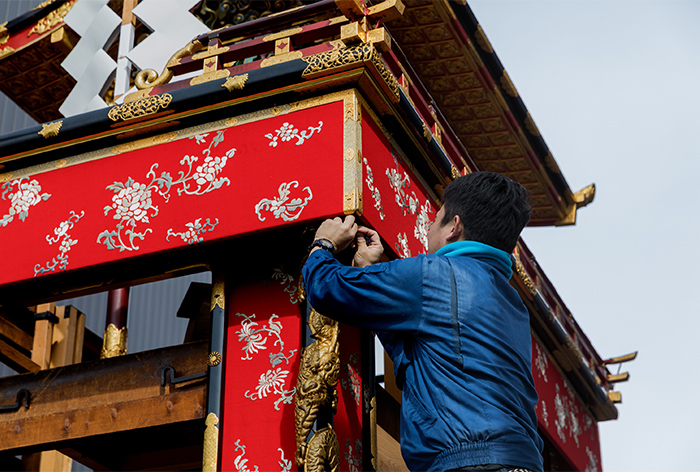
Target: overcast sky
(614,88)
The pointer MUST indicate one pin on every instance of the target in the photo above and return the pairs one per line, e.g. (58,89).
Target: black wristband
(323,243)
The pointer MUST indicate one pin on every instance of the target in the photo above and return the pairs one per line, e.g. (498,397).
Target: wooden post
(114,340)
(211,456)
(56,345)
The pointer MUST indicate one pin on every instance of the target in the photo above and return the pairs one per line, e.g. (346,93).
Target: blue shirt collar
(499,259)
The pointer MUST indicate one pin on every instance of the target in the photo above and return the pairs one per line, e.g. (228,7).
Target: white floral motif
(274,379)
(281,207)
(288,131)
(26,195)
(132,200)
(402,246)
(194,229)
(353,383)
(541,362)
(407,203)
(567,415)
(423,225)
(592,461)
(354,458)
(375,191)
(285,464)
(288,282)
(60,233)
(239,462)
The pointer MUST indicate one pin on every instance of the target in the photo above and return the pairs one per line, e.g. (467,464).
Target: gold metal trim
(214,359)
(455,173)
(615,397)
(211,444)
(49,130)
(352,156)
(282,34)
(508,85)
(530,125)
(280,58)
(237,82)
(482,40)
(341,58)
(218,297)
(52,19)
(427,134)
(209,76)
(527,281)
(7,51)
(139,108)
(114,342)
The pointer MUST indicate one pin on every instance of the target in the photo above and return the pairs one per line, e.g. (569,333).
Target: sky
(613,88)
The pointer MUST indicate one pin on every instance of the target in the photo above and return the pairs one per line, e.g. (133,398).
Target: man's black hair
(493,208)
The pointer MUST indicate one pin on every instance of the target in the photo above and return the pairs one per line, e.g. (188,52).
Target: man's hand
(369,248)
(340,233)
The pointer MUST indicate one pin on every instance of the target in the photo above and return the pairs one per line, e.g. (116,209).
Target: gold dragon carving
(316,388)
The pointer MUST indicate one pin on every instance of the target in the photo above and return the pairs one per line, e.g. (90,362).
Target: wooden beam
(16,335)
(16,360)
(104,396)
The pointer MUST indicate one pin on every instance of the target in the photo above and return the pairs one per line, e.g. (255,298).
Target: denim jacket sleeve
(383,296)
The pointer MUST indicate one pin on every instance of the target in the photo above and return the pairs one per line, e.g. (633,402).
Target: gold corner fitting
(49,130)
(341,58)
(114,342)
(237,82)
(52,19)
(139,108)
(211,443)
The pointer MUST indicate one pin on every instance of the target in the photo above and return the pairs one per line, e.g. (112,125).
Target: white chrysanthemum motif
(271,381)
(60,234)
(133,201)
(541,362)
(282,206)
(27,194)
(287,131)
(255,339)
(288,282)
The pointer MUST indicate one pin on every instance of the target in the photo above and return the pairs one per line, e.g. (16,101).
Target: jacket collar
(497,258)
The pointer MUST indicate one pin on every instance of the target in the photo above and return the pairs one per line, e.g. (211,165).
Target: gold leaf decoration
(337,58)
(139,108)
(237,82)
(49,130)
(52,19)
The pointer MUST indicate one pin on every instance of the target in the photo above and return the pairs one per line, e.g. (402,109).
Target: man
(456,330)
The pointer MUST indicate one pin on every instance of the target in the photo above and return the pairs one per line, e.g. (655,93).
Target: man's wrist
(322,243)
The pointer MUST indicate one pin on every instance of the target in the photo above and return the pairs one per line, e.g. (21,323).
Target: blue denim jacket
(463,361)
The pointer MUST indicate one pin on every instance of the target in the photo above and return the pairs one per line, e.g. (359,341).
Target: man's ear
(457,230)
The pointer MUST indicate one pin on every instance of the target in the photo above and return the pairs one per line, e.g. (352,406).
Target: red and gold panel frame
(285,165)
(561,414)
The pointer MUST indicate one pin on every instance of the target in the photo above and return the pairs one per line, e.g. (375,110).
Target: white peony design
(28,194)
